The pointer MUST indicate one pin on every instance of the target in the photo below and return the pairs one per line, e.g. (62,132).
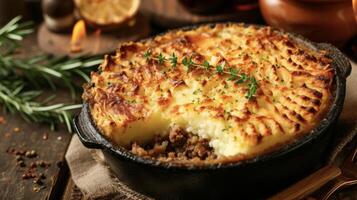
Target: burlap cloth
(94,178)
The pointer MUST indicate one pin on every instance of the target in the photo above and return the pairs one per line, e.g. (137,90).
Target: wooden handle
(309,184)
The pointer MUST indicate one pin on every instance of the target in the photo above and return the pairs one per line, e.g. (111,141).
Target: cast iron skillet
(254,178)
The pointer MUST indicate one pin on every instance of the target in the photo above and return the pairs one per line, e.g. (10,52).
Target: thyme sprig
(223,69)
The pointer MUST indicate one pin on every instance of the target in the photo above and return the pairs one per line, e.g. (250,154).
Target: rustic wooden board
(170,14)
(30,137)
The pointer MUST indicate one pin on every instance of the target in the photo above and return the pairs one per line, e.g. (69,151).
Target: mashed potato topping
(134,99)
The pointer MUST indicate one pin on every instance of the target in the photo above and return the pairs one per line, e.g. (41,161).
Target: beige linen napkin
(94,178)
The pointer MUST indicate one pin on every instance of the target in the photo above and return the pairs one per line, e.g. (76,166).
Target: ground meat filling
(178,145)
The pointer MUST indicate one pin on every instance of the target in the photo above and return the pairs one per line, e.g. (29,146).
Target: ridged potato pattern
(134,99)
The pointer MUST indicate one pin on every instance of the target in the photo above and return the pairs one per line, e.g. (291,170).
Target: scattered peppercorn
(18,158)
(10,150)
(20,152)
(31,154)
(36,188)
(25,176)
(35,170)
(41,163)
(21,163)
(42,175)
(33,165)
(37,181)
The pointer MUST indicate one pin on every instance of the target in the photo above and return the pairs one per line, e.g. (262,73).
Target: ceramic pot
(319,20)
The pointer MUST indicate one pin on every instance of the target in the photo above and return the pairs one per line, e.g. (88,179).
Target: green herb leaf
(161,59)
(12,33)
(18,76)
(24,103)
(242,79)
(187,62)
(219,69)
(197,91)
(233,74)
(173,60)
(206,65)
(147,55)
(252,88)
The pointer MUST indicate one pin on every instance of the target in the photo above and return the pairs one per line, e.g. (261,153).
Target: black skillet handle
(341,61)
(87,134)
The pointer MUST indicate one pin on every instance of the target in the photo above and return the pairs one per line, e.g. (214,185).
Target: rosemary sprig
(188,63)
(46,69)
(41,69)
(13,32)
(18,76)
(16,100)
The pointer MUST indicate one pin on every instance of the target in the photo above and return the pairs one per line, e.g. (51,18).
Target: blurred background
(331,21)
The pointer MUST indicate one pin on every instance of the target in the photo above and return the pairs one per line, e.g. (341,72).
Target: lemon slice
(107,12)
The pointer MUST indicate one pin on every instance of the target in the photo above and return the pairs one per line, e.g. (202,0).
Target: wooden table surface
(16,133)
(21,135)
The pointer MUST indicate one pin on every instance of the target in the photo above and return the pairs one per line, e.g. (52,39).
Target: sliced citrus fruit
(107,12)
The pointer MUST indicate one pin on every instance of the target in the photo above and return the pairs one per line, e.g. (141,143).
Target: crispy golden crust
(133,99)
